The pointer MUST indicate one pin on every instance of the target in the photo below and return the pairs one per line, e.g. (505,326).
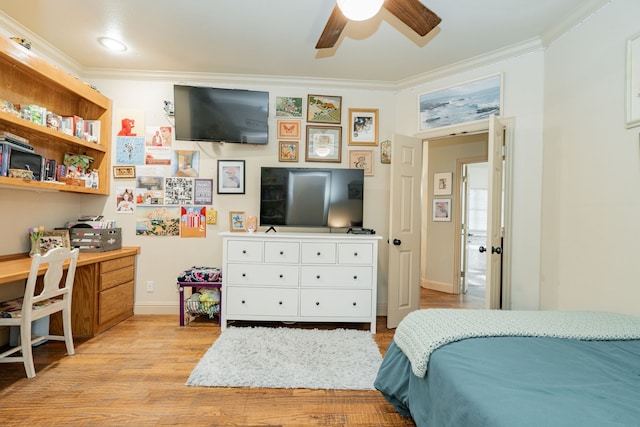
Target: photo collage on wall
(158,184)
(321,138)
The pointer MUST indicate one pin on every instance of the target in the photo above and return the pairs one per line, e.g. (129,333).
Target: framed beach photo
(363,126)
(324,109)
(120,172)
(48,240)
(231,177)
(237,221)
(463,103)
(288,129)
(324,144)
(442,209)
(288,151)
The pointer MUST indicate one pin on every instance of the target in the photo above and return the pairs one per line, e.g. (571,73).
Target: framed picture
(363,126)
(442,184)
(289,129)
(324,109)
(385,152)
(460,104)
(288,106)
(202,191)
(442,209)
(362,159)
(49,239)
(231,175)
(237,221)
(324,144)
(124,172)
(288,151)
(633,81)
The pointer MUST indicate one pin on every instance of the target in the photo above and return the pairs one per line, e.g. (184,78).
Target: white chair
(36,305)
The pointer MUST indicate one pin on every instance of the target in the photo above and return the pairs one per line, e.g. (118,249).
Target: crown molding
(196,77)
(12,28)
(492,57)
(586,10)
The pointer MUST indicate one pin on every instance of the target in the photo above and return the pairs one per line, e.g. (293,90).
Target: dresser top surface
(259,235)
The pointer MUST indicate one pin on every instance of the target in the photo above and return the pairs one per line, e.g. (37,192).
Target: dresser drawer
(249,301)
(281,252)
(335,303)
(318,253)
(261,274)
(244,251)
(336,276)
(116,277)
(355,253)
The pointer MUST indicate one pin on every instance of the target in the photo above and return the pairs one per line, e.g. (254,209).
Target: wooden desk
(103,289)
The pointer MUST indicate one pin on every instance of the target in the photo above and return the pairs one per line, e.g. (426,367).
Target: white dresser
(299,277)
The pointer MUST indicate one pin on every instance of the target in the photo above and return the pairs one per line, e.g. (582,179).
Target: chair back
(54,261)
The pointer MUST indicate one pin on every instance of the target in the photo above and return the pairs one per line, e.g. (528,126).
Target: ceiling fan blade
(414,14)
(332,30)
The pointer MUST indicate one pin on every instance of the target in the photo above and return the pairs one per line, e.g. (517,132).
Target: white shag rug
(289,358)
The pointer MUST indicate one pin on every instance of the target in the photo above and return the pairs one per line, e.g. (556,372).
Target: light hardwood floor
(134,374)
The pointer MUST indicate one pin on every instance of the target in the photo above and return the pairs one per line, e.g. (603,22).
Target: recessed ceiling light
(112,44)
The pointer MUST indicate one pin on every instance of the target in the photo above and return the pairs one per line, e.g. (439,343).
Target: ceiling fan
(411,12)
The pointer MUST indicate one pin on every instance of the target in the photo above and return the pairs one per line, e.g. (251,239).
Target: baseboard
(156,309)
(438,286)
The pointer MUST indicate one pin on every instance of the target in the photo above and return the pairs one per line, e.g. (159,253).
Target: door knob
(497,250)
(482,249)
(397,242)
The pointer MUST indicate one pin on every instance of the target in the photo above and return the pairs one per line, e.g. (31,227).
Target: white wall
(162,258)
(522,93)
(591,187)
(571,254)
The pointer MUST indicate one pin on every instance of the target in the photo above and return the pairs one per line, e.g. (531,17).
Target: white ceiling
(278,37)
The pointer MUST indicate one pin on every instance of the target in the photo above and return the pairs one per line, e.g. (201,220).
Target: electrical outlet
(149,285)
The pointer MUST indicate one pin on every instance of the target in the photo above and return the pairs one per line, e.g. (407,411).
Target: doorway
(412,229)
(473,214)
(445,256)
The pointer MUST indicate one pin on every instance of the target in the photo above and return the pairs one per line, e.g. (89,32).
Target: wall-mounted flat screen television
(221,115)
(311,197)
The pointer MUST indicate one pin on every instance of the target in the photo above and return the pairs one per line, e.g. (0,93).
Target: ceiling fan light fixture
(359,10)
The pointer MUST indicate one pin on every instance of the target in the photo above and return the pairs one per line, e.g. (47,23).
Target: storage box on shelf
(27,80)
(92,240)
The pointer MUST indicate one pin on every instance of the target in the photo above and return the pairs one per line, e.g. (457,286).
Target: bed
(450,367)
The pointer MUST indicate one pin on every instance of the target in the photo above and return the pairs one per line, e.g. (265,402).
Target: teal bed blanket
(520,379)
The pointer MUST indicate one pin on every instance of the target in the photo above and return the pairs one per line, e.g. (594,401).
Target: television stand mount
(271,228)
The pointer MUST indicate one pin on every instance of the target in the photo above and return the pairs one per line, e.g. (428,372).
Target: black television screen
(311,197)
(221,115)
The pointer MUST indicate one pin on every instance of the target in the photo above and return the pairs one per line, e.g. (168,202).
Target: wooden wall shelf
(28,79)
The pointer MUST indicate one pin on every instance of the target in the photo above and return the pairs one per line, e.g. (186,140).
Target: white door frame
(482,126)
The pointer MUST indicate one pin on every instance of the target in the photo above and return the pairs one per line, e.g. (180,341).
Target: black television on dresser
(311,197)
